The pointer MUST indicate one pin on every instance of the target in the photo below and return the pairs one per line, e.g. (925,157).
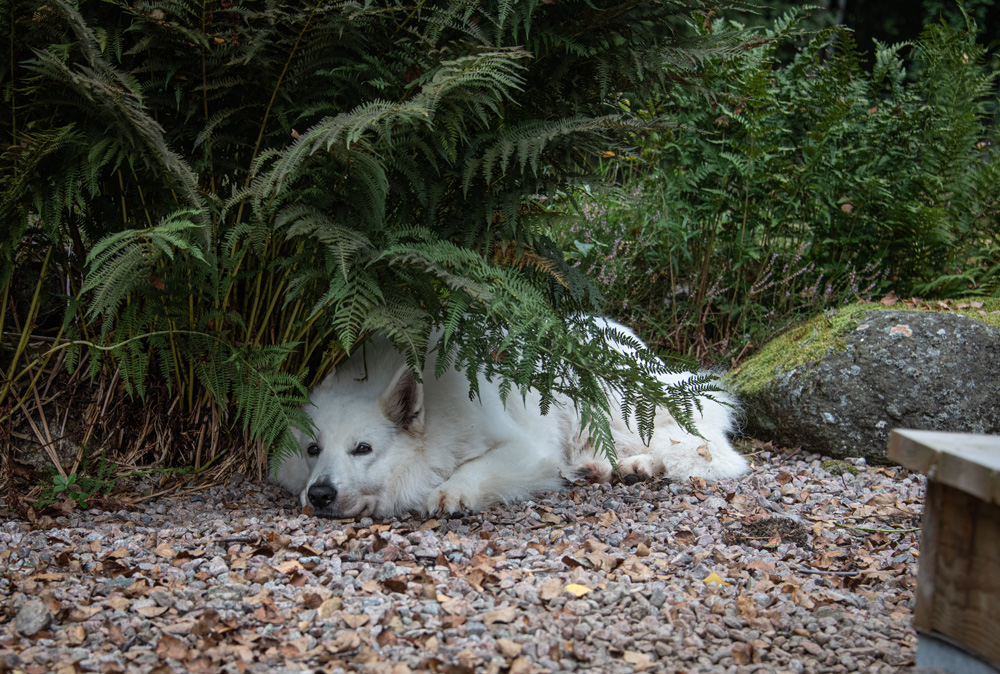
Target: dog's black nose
(322,494)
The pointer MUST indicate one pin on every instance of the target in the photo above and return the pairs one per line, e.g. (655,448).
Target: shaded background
(887,20)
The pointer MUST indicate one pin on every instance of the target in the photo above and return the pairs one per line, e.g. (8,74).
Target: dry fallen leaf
(501,615)
(608,518)
(354,620)
(639,661)
(76,634)
(704,453)
(165,551)
(288,567)
(345,640)
(171,647)
(508,648)
(550,589)
(522,665)
(742,653)
(747,607)
(152,611)
(329,607)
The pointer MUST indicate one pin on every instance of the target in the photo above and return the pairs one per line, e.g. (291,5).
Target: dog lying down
(387,444)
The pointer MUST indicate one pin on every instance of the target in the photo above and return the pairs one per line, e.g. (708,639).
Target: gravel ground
(805,565)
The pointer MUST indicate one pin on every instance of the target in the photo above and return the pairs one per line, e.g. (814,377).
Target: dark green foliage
(239,193)
(797,186)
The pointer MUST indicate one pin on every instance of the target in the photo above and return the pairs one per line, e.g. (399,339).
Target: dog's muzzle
(322,494)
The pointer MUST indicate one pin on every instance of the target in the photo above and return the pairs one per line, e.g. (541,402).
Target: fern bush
(797,185)
(235,194)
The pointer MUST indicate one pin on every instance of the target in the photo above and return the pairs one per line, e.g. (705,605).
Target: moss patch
(835,467)
(810,341)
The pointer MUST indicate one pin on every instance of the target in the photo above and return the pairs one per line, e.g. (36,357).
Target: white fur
(435,450)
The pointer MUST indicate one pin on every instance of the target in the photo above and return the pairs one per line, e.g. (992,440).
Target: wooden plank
(964,461)
(957,594)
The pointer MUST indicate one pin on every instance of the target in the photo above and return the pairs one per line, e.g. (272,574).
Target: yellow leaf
(714,578)
(576,590)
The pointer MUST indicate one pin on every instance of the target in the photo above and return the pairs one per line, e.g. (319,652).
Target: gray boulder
(840,383)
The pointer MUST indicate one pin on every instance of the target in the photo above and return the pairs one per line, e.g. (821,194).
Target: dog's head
(368,437)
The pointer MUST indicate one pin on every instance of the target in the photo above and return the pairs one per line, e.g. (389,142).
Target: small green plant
(88,481)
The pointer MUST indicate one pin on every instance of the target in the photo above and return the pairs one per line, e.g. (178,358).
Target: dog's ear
(403,401)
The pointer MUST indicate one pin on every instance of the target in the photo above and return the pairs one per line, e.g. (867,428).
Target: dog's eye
(313,449)
(362,448)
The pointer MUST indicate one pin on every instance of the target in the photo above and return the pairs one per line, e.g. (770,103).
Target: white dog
(387,444)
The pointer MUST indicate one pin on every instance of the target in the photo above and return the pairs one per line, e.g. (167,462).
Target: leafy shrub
(798,185)
(234,195)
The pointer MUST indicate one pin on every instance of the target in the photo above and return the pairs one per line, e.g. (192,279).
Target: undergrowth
(206,205)
(789,187)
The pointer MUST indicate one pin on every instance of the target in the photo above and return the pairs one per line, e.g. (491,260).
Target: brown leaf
(742,653)
(206,623)
(76,634)
(762,566)
(480,577)
(346,640)
(397,584)
(601,561)
(508,648)
(66,506)
(264,574)
(639,661)
(165,551)
(704,453)
(79,614)
(171,647)
(550,589)
(269,613)
(386,638)
(311,600)
(114,631)
(635,569)
(354,620)
(501,615)
(783,477)
(747,607)
(329,607)
(152,611)
(288,567)
(889,299)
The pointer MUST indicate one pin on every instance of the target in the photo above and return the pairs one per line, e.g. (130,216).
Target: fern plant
(794,186)
(238,194)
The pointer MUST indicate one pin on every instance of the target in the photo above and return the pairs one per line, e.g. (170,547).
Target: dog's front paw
(448,500)
(592,472)
(642,466)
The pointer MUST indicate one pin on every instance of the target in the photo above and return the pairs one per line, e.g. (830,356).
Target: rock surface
(889,369)
(33,617)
